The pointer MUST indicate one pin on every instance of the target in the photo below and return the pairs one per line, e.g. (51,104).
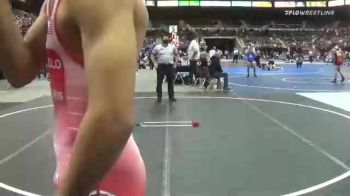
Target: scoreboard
(248,3)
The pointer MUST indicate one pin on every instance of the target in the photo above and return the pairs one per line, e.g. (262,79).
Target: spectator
(212,52)
(193,55)
(226,54)
(347,58)
(235,55)
(257,58)
(203,70)
(299,60)
(216,71)
(311,56)
(23,20)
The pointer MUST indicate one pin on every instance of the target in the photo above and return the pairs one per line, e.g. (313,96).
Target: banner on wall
(173,33)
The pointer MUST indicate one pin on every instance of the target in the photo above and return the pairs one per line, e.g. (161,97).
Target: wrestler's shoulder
(101,4)
(92,11)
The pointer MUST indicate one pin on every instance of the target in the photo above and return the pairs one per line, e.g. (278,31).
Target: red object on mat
(195,124)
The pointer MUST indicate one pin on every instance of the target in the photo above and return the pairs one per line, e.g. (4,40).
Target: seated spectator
(212,52)
(271,65)
(216,71)
(226,54)
(203,70)
(264,66)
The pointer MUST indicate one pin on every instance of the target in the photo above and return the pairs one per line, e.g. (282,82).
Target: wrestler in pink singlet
(69,93)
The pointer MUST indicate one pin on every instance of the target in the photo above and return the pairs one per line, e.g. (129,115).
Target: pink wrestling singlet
(69,93)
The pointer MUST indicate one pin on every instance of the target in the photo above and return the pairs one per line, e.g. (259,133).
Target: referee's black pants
(193,70)
(168,71)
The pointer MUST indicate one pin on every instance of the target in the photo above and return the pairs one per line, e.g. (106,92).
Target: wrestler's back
(69,92)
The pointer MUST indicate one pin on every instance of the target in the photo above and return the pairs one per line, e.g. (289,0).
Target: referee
(163,56)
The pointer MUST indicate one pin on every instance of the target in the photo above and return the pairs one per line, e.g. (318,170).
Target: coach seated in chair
(202,68)
(216,71)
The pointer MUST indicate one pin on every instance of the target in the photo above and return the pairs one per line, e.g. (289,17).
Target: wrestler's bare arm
(110,53)
(21,59)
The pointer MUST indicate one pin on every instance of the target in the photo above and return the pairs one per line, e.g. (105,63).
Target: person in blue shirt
(250,58)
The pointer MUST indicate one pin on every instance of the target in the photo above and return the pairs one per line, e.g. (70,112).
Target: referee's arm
(154,52)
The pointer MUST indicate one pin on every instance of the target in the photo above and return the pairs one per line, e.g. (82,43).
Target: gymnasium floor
(283,133)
